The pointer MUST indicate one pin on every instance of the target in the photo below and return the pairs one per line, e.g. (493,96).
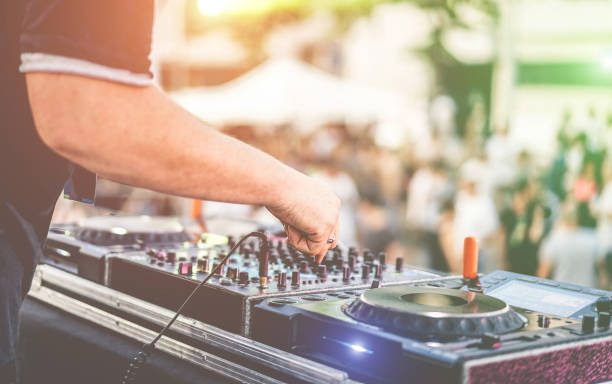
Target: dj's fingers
(332,236)
(298,240)
(335,236)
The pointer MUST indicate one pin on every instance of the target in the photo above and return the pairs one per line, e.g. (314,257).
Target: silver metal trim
(172,347)
(282,361)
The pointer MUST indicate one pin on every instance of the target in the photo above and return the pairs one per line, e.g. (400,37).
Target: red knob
(470,258)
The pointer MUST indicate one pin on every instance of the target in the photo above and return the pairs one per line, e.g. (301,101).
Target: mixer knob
(588,323)
(378,269)
(352,262)
(346,274)
(295,278)
(375,284)
(243,278)
(399,264)
(231,241)
(185,269)
(203,265)
(171,257)
(282,280)
(322,272)
(304,267)
(232,273)
(219,272)
(382,259)
(365,272)
(368,256)
(353,251)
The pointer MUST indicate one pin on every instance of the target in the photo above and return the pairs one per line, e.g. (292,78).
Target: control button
(588,323)
(470,258)
(499,277)
(334,294)
(295,278)
(343,296)
(490,341)
(313,298)
(346,274)
(548,283)
(282,301)
(365,272)
(185,269)
(171,257)
(232,273)
(378,270)
(254,279)
(282,280)
(604,304)
(399,263)
(527,279)
(203,265)
(382,259)
(352,262)
(225,281)
(219,272)
(603,320)
(243,278)
(322,271)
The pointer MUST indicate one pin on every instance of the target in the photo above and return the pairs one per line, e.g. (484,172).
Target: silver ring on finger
(332,238)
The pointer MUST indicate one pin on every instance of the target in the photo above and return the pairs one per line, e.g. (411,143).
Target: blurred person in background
(502,155)
(428,189)
(572,251)
(446,258)
(344,187)
(376,223)
(475,213)
(523,224)
(603,207)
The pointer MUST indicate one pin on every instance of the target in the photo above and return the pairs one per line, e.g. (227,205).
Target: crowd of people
(550,217)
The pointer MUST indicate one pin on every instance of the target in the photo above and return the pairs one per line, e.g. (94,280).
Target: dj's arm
(138,136)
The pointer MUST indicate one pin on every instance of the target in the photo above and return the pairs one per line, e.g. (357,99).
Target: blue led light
(353,347)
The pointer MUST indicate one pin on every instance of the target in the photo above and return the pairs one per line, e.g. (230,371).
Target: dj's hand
(309,211)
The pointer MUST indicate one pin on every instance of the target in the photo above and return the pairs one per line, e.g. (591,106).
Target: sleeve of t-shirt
(104,39)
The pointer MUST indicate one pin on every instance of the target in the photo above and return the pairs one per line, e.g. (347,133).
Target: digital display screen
(542,298)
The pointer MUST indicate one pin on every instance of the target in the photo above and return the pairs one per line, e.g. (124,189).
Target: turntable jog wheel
(434,313)
(113,230)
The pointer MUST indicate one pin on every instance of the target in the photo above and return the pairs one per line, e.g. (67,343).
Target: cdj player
(83,249)
(500,328)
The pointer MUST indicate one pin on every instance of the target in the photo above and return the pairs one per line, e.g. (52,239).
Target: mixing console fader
(165,276)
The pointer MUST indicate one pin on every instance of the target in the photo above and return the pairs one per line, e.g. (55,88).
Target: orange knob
(470,258)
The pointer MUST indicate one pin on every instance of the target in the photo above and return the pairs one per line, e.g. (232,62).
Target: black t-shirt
(104,39)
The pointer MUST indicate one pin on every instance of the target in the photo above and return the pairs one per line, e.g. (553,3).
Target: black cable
(147,349)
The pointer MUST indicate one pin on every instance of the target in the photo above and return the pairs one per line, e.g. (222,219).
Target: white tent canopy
(287,91)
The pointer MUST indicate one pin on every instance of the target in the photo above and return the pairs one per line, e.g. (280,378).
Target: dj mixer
(381,322)
(154,260)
